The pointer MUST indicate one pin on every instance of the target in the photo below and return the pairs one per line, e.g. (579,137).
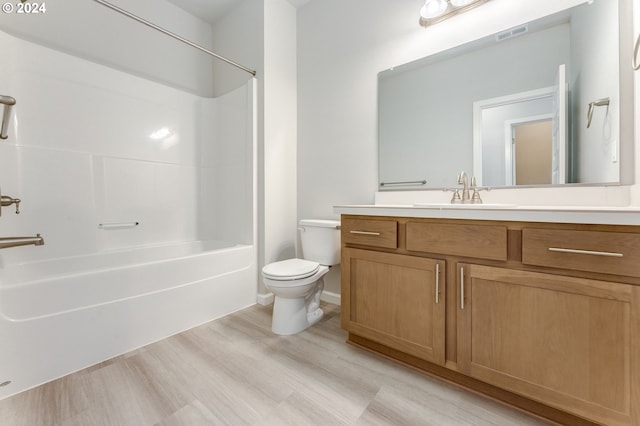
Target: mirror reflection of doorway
(493,154)
(531,148)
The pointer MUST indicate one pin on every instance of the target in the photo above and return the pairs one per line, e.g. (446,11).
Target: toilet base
(290,316)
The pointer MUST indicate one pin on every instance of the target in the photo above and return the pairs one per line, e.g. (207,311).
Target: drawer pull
(364,233)
(595,253)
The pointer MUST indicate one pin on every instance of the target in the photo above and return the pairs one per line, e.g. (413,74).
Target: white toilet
(297,283)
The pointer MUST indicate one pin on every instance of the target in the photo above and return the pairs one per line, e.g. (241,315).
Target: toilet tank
(320,241)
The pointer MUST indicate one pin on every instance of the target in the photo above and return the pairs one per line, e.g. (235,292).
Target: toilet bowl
(298,283)
(297,297)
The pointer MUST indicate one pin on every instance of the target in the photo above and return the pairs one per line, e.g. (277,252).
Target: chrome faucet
(463,180)
(7,242)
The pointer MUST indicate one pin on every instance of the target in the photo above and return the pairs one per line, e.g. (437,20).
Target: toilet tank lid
(320,223)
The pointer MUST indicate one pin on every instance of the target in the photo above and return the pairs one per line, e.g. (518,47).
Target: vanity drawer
(594,251)
(376,233)
(468,240)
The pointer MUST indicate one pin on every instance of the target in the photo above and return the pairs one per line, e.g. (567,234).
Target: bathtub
(95,290)
(62,315)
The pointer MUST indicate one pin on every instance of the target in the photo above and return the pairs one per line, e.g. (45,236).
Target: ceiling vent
(513,32)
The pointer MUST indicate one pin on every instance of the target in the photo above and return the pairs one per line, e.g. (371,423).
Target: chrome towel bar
(115,225)
(410,182)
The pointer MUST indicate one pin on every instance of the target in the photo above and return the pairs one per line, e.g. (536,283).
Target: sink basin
(464,206)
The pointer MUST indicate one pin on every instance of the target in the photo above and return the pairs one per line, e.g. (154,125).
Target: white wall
(262,34)
(280,130)
(337,84)
(89,30)
(238,36)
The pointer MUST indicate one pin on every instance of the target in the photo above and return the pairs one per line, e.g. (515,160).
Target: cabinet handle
(595,253)
(364,233)
(462,288)
(437,282)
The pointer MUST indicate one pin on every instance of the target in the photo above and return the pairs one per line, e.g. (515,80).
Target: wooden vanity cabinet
(393,299)
(560,340)
(396,300)
(496,307)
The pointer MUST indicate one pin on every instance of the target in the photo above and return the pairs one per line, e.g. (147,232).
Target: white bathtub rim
(120,299)
(86,272)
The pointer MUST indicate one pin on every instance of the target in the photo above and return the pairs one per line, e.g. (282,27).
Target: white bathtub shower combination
(88,146)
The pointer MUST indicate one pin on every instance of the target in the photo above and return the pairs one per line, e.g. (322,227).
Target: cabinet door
(563,341)
(396,300)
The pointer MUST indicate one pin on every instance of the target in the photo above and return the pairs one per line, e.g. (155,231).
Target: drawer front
(478,241)
(376,233)
(594,251)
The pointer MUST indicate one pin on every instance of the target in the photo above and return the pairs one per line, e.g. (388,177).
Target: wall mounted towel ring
(592,105)
(634,63)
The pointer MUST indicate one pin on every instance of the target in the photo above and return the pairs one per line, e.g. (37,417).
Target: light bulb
(433,8)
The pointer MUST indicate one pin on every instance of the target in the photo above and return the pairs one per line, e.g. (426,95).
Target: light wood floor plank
(235,371)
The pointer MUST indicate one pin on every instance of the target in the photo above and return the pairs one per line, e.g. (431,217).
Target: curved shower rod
(176,36)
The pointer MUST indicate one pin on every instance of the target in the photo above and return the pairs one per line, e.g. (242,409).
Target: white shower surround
(79,153)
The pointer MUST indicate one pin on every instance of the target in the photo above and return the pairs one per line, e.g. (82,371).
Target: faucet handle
(6,200)
(475,198)
(455,198)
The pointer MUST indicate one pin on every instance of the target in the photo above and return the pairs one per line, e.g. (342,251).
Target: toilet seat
(290,269)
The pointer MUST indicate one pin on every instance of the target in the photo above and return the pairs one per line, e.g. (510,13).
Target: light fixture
(433,8)
(434,11)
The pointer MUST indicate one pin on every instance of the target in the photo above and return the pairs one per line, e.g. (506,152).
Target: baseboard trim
(264,299)
(330,297)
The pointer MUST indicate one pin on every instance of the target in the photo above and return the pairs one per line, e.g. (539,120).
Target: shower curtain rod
(176,36)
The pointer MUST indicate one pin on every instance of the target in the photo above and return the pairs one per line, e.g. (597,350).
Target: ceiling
(212,10)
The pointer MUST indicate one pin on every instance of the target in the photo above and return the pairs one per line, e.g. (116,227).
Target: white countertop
(561,214)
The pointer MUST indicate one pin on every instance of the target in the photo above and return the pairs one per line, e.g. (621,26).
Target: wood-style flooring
(235,371)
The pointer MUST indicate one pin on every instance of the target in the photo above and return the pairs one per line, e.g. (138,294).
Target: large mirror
(545,103)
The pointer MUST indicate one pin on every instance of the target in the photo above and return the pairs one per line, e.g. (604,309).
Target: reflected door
(532,144)
(559,130)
